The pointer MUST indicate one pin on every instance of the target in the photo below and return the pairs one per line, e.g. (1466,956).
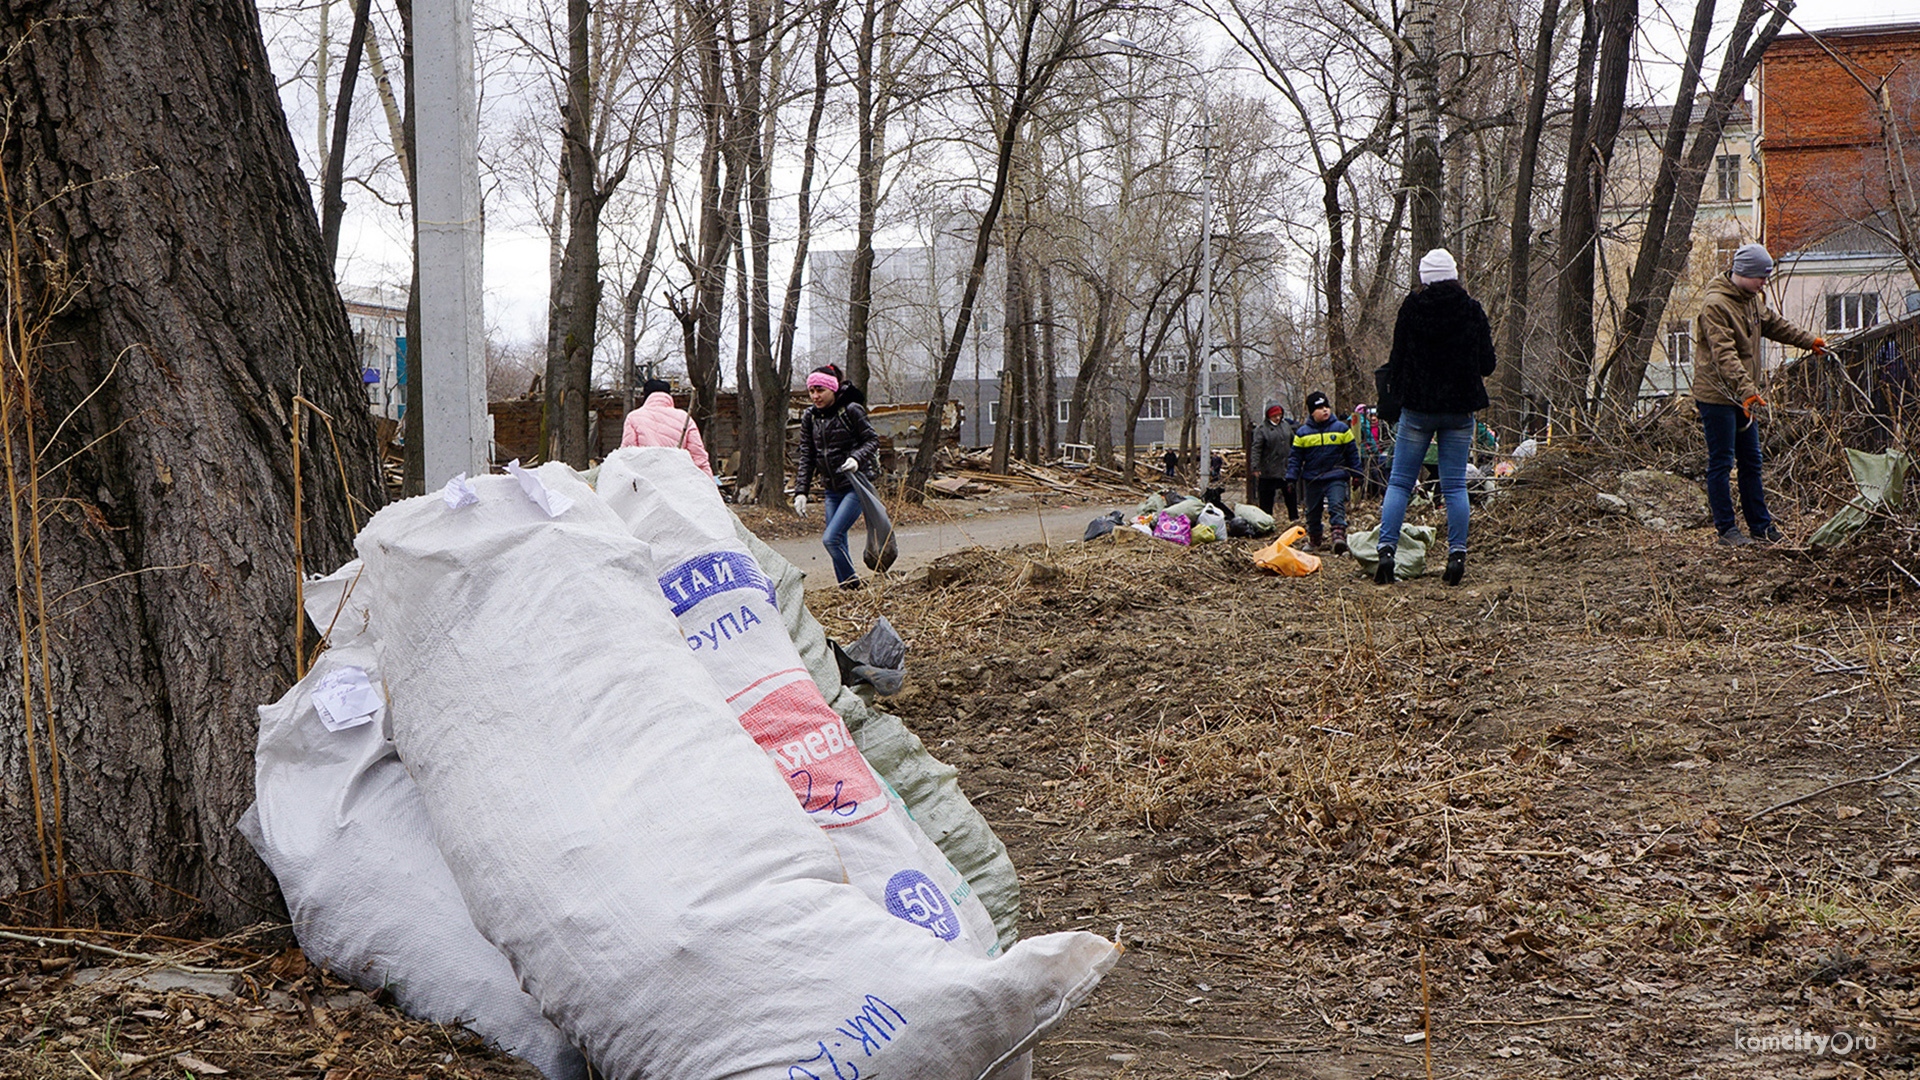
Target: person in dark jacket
(835,440)
(1442,354)
(1323,463)
(1272,446)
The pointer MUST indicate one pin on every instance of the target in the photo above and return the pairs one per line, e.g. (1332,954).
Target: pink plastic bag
(1174,527)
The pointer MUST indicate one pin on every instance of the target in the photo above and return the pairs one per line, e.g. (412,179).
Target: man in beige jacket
(1726,389)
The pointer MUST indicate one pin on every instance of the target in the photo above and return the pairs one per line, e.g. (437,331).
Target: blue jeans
(1454,434)
(1727,442)
(1332,494)
(843,509)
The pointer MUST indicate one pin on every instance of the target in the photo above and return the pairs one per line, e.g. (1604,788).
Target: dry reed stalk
(21,342)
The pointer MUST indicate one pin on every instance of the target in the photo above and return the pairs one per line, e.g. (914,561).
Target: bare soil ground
(1501,830)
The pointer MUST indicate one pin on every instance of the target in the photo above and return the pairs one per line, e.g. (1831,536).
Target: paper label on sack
(552,502)
(459,493)
(346,699)
(811,746)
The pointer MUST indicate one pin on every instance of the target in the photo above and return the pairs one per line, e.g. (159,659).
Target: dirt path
(986,526)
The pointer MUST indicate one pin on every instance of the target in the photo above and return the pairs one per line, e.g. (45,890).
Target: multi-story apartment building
(378,318)
(1824,112)
(1728,216)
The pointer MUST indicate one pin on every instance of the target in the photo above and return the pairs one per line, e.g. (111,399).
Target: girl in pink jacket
(658,423)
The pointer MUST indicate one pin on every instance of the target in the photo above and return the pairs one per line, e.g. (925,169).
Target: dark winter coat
(1442,350)
(1323,452)
(1272,446)
(828,437)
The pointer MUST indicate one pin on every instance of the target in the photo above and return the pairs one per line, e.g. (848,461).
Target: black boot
(1338,538)
(1383,574)
(1456,567)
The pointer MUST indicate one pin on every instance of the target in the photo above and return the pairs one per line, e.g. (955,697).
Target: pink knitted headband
(822,379)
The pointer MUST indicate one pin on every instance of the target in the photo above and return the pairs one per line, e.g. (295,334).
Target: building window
(1157,408)
(1226,405)
(1726,177)
(993,413)
(1852,311)
(1679,343)
(1169,365)
(1063,410)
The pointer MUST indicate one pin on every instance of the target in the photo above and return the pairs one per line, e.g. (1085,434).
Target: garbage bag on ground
(929,787)
(1258,519)
(882,549)
(1281,558)
(856,667)
(1103,526)
(1409,556)
(620,837)
(345,832)
(1212,518)
(1173,526)
(731,617)
(1882,480)
(1188,508)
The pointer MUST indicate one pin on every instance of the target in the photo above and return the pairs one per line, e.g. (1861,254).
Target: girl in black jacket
(835,440)
(1442,354)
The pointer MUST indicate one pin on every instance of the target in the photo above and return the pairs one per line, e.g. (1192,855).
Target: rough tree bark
(1510,377)
(168,297)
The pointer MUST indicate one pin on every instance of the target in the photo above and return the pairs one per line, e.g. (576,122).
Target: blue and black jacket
(1323,452)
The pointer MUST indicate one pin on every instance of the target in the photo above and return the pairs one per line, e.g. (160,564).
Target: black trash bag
(882,550)
(1239,528)
(878,659)
(1104,526)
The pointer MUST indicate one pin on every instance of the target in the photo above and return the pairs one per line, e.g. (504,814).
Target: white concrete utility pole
(451,357)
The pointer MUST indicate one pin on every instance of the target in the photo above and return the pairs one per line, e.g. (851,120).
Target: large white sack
(730,615)
(929,787)
(341,825)
(620,837)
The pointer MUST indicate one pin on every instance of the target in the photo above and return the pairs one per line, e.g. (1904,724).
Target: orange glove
(1752,400)
(1819,346)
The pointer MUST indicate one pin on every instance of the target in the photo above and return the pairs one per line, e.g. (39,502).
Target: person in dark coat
(835,440)
(1272,445)
(1442,354)
(1171,462)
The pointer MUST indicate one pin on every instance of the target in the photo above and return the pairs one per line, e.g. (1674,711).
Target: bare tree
(158,521)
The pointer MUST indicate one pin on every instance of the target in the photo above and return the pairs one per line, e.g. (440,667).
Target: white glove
(849,465)
(800,505)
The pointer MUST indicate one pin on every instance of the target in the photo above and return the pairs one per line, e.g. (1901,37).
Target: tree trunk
(1668,239)
(1424,177)
(168,241)
(774,384)
(574,319)
(1510,386)
(332,205)
(1597,115)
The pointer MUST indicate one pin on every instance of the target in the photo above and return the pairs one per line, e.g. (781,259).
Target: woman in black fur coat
(1442,354)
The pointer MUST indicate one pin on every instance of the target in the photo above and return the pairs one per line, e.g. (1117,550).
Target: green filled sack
(1409,556)
(1259,520)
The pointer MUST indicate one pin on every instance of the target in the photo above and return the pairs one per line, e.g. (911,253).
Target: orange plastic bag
(1280,557)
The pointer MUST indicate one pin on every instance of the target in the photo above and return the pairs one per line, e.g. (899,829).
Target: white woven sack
(620,837)
(341,825)
(731,618)
(930,788)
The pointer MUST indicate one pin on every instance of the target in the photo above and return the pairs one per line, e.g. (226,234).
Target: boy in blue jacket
(1324,461)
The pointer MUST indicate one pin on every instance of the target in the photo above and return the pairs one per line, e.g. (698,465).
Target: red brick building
(1820,141)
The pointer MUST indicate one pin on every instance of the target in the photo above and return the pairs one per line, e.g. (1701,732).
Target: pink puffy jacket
(658,423)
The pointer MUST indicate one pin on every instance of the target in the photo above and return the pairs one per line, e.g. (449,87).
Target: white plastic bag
(341,825)
(731,617)
(620,837)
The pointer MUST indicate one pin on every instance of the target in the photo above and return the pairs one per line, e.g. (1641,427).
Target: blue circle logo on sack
(912,895)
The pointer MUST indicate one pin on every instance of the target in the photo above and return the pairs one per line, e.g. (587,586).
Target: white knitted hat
(1437,265)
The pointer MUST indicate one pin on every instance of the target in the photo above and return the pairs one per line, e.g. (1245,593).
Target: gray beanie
(1752,261)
